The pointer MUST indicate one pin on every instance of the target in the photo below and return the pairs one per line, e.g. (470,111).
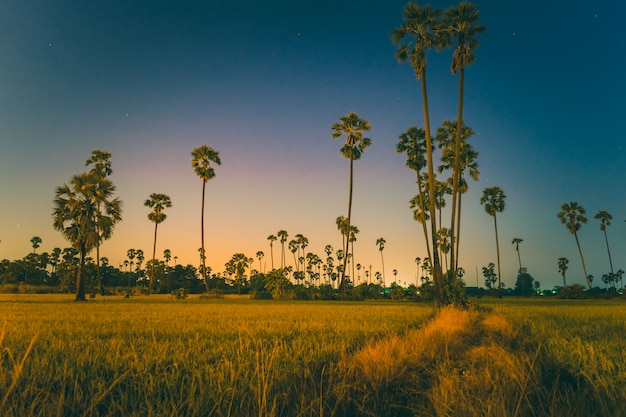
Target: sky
(262,83)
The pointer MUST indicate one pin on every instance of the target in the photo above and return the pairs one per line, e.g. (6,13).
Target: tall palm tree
(272,239)
(562,263)
(352,127)
(282,235)
(380,242)
(572,215)
(201,159)
(36,242)
(77,217)
(101,169)
(446,141)
(158,203)
(463,25)
(353,232)
(259,256)
(493,202)
(420,32)
(413,143)
(516,241)
(605,220)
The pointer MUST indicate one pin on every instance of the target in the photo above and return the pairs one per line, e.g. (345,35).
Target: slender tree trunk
(495,223)
(342,284)
(203,255)
(424,227)
(80,278)
(456,169)
(458,235)
(153,258)
(519,258)
(582,260)
(272,254)
(436,265)
(606,239)
(564,284)
(382,259)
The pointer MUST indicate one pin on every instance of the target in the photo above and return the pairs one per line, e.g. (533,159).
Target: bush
(573,292)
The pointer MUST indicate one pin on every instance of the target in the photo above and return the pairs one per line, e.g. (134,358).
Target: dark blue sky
(263,82)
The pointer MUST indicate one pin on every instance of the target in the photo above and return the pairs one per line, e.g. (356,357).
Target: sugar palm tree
(352,127)
(493,202)
(562,264)
(380,242)
(36,242)
(605,220)
(201,160)
(282,235)
(413,143)
(259,256)
(572,215)
(420,32)
(463,26)
(158,203)
(100,162)
(516,241)
(77,217)
(272,239)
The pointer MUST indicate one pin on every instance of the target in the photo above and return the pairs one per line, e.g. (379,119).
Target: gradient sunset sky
(262,83)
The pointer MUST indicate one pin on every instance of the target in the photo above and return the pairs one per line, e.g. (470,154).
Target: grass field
(152,356)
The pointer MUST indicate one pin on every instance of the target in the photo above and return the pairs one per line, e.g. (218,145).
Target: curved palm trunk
(495,223)
(456,169)
(519,258)
(582,260)
(206,281)
(436,266)
(608,250)
(153,258)
(342,284)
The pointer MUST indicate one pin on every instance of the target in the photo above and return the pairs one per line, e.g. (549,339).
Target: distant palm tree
(272,239)
(463,25)
(413,143)
(35,241)
(167,255)
(605,220)
(259,256)
(282,235)
(353,127)
(77,217)
(201,159)
(158,203)
(572,215)
(380,242)
(493,202)
(562,263)
(419,32)
(516,241)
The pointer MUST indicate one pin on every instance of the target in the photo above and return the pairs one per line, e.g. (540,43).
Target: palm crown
(493,200)
(352,126)
(201,159)
(572,215)
(157,202)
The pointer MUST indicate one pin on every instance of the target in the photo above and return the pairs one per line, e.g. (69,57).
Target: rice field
(153,356)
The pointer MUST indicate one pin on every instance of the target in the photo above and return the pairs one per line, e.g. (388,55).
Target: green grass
(155,356)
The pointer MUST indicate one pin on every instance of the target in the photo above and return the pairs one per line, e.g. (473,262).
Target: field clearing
(155,356)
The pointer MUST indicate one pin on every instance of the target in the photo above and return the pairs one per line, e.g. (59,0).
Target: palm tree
(272,239)
(462,23)
(413,143)
(158,203)
(493,201)
(167,255)
(446,141)
(516,241)
(259,256)
(352,126)
(201,159)
(380,242)
(101,169)
(562,263)
(35,241)
(605,220)
(282,235)
(417,273)
(353,232)
(420,32)
(77,217)
(572,215)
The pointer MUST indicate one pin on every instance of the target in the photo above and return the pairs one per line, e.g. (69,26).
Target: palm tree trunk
(456,168)
(100,284)
(382,259)
(206,281)
(582,260)
(608,250)
(436,266)
(153,258)
(458,235)
(421,196)
(519,258)
(564,284)
(80,278)
(272,254)
(495,223)
(347,239)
